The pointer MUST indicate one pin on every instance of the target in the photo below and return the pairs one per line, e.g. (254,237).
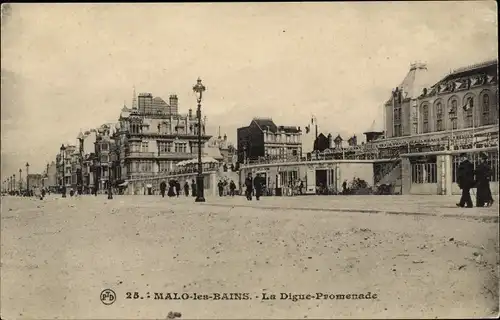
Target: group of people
(174,188)
(479,178)
(252,184)
(221,185)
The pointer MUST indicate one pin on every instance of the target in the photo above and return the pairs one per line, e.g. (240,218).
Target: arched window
(468,112)
(453,114)
(439,117)
(425,119)
(486,110)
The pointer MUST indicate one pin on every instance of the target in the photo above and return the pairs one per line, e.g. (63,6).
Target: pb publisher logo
(108,297)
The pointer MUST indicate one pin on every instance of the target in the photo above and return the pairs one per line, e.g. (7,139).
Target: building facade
(262,138)
(153,136)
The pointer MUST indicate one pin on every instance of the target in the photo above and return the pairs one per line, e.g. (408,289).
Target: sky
(67,67)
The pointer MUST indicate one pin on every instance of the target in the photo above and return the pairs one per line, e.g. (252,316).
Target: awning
(123,184)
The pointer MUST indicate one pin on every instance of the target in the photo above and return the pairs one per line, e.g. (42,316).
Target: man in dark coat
(163,187)
(465,180)
(177,189)
(249,186)
(232,187)
(483,176)
(193,188)
(257,183)
(186,189)
(220,185)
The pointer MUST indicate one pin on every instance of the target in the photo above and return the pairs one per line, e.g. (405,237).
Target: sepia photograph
(250,160)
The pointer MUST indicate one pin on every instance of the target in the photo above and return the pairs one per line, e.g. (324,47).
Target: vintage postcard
(246,160)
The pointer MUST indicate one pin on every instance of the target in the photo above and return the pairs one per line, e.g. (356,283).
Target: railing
(424,173)
(474,158)
(141,154)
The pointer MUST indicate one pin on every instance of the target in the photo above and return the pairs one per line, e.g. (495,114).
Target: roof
(266,123)
(487,67)
(289,129)
(414,82)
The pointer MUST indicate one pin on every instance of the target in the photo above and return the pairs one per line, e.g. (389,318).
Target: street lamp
(63,182)
(110,174)
(20,181)
(80,138)
(27,178)
(198,89)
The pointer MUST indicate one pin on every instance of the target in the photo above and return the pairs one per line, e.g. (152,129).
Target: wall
(424,188)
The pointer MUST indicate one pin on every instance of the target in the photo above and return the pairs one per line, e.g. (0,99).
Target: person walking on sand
(483,176)
(163,187)
(232,188)
(177,188)
(186,188)
(193,188)
(257,182)
(249,186)
(465,180)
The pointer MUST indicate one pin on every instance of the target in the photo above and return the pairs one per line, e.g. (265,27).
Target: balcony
(141,155)
(163,155)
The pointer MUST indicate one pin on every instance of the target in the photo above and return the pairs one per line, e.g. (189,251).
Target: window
(144,147)
(165,147)
(469,120)
(486,109)
(104,146)
(425,119)
(439,117)
(164,166)
(453,115)
(397,121)
(181,147)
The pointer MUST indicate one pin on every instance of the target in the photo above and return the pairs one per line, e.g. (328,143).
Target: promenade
(421,256)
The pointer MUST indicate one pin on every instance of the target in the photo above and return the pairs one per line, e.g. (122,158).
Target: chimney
(173,101)
(225,137)
(330,141)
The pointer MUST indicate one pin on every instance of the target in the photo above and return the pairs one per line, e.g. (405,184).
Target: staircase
(390,173)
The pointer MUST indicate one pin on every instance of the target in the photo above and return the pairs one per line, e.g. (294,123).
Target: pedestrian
(163,187)
(249,186)
(193,188)
(177,188)
(465,180)
(186,189)
(344,187)
(232,187)
(257,183)
(171,187)
(220,185)
(483,176)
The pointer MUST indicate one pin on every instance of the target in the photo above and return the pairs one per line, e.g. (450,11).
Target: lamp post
(14,182)
(20,181)
(110,174)
(63,182)
(28,178)
(198,89)
(80,138)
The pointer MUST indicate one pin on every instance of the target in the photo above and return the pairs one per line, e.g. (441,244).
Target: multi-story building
(153,136)
(104,156)
(262,138)
(64,166)
(50,180)
(466,98)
